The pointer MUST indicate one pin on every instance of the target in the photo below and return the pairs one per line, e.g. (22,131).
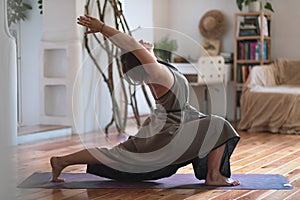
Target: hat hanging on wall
(212,24)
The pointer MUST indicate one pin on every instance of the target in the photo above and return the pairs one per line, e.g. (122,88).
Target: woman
(174,135)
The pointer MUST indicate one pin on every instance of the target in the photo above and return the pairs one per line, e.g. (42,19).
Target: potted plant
(16,11)
(267,5)
(164,48)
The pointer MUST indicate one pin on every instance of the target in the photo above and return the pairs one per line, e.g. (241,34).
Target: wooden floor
(255,153)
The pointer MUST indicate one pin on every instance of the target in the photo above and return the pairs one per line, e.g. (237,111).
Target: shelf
(253,37)
(252,61)
(55,63)
(55,100)
(245,14)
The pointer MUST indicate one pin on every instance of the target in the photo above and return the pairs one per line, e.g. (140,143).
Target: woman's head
(132,68)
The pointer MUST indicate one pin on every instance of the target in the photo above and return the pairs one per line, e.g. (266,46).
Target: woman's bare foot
(219,180)
(57,167)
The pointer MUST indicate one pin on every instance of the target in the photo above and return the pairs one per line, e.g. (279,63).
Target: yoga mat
(177,181)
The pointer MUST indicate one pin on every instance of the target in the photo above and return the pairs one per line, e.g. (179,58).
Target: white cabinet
(60,60)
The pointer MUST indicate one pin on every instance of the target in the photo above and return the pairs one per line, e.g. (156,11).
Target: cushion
(287,71)
(261,76)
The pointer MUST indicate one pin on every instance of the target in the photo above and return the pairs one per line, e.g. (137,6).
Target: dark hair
(132,68)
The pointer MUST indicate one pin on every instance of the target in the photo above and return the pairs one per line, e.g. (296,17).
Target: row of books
(250,26)
(250,50)
(243,72)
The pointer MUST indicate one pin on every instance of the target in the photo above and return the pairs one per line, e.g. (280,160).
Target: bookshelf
(252,46)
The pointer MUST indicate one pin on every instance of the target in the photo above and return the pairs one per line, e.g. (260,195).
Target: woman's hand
(148,46)
(94,25)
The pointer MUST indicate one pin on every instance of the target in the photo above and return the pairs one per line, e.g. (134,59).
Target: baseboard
(44,135)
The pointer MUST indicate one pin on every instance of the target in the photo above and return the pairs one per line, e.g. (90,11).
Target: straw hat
(212,24)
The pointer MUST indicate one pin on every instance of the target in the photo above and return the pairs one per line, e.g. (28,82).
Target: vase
(254,6)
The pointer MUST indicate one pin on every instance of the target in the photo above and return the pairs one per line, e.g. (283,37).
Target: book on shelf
(249,26)
(238,97)
(250,50)
(243,72)
(265,25)
(265,51)
(247,32)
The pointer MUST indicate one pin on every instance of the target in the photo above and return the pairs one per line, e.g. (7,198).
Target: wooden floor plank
(269,159)
(205,194)
(293,196)
(232,194)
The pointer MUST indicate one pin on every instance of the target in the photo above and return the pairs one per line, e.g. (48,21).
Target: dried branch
(119,116)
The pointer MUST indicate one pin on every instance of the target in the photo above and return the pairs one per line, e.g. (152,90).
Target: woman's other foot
(57,167)
(219,180)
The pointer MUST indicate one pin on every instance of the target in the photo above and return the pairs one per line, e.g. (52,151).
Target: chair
(210,70)
(211,74)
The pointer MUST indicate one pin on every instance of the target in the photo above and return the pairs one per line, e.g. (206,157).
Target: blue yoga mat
(178,181)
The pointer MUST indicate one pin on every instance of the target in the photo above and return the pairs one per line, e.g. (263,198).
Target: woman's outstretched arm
(160,77)
(118,38)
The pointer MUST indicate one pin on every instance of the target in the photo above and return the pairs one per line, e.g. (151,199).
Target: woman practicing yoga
(174,135)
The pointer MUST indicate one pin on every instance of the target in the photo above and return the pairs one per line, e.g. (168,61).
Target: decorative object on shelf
(254,5)
(16,11)
(212,27)
(211,47)
(164,48)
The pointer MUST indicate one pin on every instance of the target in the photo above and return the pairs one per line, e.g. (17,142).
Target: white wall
(161,13)
(30,36)
(285,29)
